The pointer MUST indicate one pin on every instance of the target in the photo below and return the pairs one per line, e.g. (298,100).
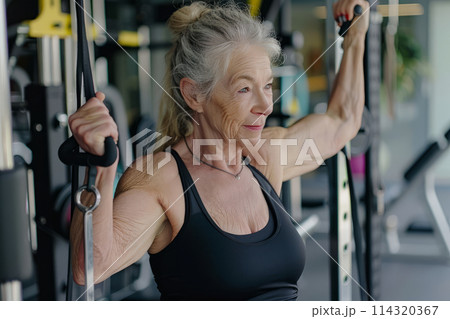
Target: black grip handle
(69,154)
(358,10)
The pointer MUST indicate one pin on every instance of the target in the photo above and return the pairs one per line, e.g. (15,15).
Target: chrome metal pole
(49,60)
(11,290)
(6,157)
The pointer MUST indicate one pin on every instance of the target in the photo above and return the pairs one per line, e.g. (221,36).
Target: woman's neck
(223,153)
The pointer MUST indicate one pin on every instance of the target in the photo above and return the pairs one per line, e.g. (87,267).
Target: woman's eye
(269,86)
(244,90)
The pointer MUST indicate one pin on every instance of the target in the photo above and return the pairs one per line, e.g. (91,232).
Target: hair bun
(181,19)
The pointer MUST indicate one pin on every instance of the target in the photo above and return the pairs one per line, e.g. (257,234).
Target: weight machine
(39,121)
(15,246)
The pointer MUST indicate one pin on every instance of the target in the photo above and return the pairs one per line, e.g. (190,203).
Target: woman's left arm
(317,137)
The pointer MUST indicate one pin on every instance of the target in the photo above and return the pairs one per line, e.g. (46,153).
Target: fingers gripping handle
(69,154)
(344,28)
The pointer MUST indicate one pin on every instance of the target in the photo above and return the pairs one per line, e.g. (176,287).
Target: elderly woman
(214,226)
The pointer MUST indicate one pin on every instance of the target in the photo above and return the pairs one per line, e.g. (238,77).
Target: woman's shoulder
(266,158)
(151,172)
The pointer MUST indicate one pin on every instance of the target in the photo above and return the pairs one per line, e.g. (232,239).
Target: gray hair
(205,37)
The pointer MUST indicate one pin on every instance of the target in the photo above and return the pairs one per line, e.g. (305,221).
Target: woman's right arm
(123,228)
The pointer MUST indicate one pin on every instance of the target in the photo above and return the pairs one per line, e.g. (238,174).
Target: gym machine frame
(14,225)
(374,188)
(340,236)
(341,214)
(47,104)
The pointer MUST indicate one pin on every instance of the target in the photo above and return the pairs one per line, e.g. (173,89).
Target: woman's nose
(263,105)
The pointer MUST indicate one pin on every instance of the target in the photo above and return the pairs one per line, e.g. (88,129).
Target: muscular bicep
(305,145)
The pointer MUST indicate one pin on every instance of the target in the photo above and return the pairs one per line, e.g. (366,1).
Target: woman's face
(242,99)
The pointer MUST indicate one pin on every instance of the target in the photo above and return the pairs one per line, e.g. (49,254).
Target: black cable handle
(344,28)
(69,152)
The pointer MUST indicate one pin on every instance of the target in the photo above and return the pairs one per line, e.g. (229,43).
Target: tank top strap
(264,183)
(186,179)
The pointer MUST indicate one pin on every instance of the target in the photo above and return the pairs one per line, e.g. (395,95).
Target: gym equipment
(15,247)
(339,201)
(363,140)
(367,142)
(50,175)
(344,28)
(88,236)
(122,283)
(390,57)
(6,158)
(108,45)
(14,226)
(361,143)
(420,173)
(70,155)
(341,188)
(374,188)
(39,115)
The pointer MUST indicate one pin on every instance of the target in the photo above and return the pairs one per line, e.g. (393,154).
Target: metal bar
(373,194)
(330,28)
(340,205)
(11,291)
(101,72)
(344,220)
(307,226)
(69,77)
(6,155)
(44,60)
(49,60)
(32,210)
(333,231)
(89,23)
(88,256)
(99,15)
(50,175)
(438,219)
(55,47)
(332,163)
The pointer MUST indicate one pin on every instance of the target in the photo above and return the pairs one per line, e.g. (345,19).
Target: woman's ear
(189,91)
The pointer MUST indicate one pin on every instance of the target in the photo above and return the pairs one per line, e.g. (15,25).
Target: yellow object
(317,83)
(128,39)
(403,10)
(255,6)
(50,21)
(294,106)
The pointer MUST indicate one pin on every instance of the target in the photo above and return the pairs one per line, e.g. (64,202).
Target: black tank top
(204,262)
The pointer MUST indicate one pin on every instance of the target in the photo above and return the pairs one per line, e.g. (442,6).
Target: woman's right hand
(91,124)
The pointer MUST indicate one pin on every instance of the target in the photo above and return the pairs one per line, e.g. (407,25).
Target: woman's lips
(254,127)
